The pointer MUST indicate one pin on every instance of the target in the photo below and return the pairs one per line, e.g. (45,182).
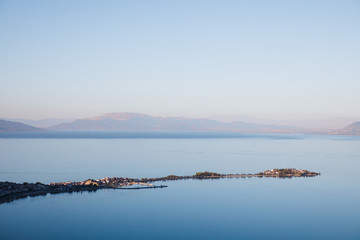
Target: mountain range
(143,122)
(331,123)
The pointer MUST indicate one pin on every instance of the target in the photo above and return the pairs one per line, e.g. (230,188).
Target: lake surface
(323,207)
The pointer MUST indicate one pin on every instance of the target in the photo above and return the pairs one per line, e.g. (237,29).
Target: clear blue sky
(269,59)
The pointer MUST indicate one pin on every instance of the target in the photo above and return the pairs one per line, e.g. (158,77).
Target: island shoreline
(10,191)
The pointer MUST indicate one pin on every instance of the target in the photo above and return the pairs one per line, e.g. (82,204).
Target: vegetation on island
(206,174)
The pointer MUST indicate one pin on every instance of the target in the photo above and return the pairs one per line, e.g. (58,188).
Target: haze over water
(266,62)
(323,207)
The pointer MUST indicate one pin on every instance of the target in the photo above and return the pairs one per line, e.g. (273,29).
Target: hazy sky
(268,59)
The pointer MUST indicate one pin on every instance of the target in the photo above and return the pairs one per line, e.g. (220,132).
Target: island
(10,191)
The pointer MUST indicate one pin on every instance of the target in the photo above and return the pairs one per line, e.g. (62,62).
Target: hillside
(42,123)
(9,126)
(352,129)
(142,122)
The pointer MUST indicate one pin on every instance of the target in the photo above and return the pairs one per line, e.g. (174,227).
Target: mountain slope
(352,129)
(9,126)
(42,123)
(142,122)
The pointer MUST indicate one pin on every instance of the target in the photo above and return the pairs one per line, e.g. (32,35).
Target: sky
(266,59)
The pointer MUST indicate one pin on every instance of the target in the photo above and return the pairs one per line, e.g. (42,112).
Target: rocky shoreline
(10,191)
(274,173)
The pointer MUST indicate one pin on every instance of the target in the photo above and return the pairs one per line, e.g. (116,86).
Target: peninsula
(10,191)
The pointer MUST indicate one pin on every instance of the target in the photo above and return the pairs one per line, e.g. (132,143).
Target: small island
(10,191)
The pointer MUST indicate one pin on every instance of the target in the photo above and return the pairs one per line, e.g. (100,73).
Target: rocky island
(10,191)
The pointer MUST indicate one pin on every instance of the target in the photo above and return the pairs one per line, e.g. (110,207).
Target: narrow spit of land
(10,191)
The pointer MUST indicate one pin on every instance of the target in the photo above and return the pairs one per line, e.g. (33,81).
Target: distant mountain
(352,129)
(42,123)
(142,122)
(8,126)
(325,124)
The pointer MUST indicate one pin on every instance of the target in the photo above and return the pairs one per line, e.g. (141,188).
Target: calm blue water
(324,207)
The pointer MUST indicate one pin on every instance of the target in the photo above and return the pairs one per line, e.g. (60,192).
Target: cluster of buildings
(288,171)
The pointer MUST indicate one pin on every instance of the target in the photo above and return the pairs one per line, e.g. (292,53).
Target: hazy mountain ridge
(325,124)
(9,126)
(143,122)
(352,129)
(42,123)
